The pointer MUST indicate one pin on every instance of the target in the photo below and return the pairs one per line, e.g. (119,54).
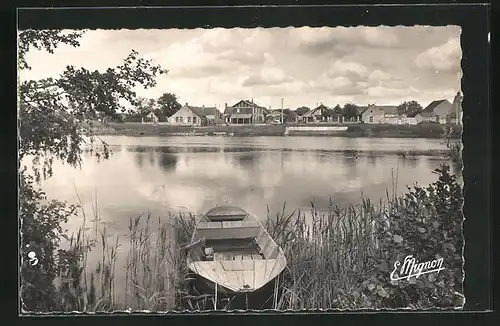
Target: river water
(158,175)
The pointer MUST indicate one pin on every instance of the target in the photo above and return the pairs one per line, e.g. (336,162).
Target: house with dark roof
(322,113)
(245,112)
(381,114)
(189,115)
(439,111)
(150,117)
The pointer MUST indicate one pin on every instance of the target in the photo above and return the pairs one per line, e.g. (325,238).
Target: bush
(41,232)
(425,223)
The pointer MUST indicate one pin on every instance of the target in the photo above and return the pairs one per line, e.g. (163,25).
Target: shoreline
(432,131)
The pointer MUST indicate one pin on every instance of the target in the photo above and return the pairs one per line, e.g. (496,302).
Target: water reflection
(409,161)
(139,159)
(195,174)
(371,158)
(168,161)
(248,160)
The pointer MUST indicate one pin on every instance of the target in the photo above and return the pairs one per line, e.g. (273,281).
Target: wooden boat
(233,253)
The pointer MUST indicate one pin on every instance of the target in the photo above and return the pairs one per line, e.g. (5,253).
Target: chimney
(225,105)
(187,104)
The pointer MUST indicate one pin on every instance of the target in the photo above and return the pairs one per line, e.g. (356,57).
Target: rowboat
(233,253)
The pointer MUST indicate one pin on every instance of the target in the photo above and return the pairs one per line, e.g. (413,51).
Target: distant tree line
(349,110)
(168,103)
(163,107)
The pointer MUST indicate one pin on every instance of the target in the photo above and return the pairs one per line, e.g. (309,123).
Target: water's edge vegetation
(423,130)
(338,260)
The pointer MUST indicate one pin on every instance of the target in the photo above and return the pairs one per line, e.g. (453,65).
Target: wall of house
(185,117)
(393,120)
(421,118)
(377,114)
(442,111)
(411,121)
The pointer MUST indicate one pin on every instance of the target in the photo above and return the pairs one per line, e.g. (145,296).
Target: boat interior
(233,237)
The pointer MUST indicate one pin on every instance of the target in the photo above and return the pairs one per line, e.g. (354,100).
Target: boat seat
(228,230)
(226,214)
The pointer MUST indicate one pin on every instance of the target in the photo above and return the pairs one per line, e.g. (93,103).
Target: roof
(362,109)
(203,111)
(247,103)
(313,111)
(387,109)
(241,116)
(429,109)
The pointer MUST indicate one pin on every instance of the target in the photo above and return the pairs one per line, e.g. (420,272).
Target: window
(237,110)
(189,119)
(194,119)
(371,119)
(176,119)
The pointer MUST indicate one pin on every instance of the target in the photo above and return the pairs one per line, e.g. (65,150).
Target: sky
(303,66)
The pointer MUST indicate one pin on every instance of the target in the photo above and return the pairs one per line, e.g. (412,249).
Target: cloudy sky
(304,66)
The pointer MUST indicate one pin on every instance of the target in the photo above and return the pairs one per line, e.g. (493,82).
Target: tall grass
(326,252)
(330,255)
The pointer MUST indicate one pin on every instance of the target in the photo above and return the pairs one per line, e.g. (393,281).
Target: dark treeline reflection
(371,158)
(168,161)
(248,160)
(409,161)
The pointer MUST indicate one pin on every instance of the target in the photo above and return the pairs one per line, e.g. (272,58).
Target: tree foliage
(168,104)
(53,110)
(337,109)
(410,108)
(302,110)
(350,110)
(53,114)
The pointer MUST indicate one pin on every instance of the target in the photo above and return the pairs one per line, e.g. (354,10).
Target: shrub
(425,223)
(41,232)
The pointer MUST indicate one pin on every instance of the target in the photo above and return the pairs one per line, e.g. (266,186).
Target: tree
(350,110)
(52,112)
(410,108)
(337,109)
(302,110)
(289,116)
(168,104)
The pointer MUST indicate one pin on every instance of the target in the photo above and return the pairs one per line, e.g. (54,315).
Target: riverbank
(340,259)
(430,130)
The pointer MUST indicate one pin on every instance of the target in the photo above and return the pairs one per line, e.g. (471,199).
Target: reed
(332,257)
(156,272)
(326,252)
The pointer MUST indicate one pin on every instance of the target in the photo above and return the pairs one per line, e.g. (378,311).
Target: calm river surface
(192,174)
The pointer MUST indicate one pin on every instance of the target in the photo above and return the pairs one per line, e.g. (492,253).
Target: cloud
(340,41)
(304,65)
(443,58)
(243,57)
(267,76)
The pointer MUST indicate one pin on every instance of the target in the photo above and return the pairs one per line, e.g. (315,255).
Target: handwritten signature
(410,268)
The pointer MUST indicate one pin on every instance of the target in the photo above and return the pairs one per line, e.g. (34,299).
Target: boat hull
(262,298)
